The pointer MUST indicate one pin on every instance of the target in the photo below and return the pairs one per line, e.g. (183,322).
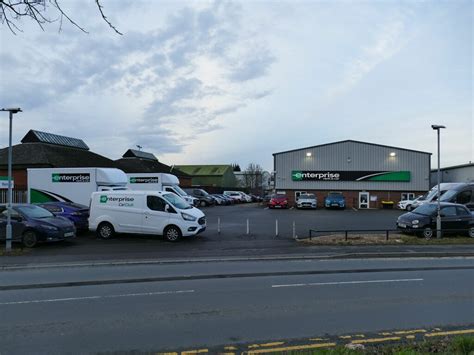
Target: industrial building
(457,173)
(367,174)
(214,178)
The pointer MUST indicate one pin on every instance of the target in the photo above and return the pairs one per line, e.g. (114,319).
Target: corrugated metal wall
(461,174)
(353,156)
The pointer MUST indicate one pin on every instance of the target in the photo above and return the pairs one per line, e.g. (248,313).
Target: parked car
(219,200)
(235,195)
(408,204)
(278,201)
(230,200)
(455,218)
(256,198)
(75,212)
(335,200)
(204,198)
(245,197)
(32,224)
(307,201)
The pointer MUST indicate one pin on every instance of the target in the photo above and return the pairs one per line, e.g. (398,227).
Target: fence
(18,196)
(430,233)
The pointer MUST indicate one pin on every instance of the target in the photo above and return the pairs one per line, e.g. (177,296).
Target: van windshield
(177,201)
(448,195)
(180,191)
(433,195)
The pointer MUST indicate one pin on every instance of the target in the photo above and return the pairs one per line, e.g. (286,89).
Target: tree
(253,177)
(12,11)
(236,167)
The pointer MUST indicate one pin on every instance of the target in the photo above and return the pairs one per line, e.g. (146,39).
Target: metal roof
(204,170)
(34,136)
(353,141)
(133,153)
(454,167)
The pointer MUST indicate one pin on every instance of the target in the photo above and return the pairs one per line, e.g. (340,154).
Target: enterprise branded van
(144,212)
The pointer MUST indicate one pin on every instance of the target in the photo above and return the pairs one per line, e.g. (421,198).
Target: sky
(218,82)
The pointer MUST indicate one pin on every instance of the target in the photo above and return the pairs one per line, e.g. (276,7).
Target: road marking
(291,348)
(345,337)
(230,348)
(96,297)
(276,343)
(374,340)
(414,331)
(410,337)
(346,283)
(317,339)
(452,332)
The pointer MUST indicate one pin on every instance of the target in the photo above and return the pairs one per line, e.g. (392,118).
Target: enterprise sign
(331,175)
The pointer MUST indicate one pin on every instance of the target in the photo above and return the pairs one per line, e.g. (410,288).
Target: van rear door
(155,219)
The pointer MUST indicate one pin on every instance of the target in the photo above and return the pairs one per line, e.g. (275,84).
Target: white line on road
(346,282)
(96,297)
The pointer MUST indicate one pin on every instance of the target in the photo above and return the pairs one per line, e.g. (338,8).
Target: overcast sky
(227,81)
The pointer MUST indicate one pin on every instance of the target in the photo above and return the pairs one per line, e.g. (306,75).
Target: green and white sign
(71,178)
(325,175)
(4,182)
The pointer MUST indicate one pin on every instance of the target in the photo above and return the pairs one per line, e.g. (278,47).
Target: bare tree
(253,177)
(12,11)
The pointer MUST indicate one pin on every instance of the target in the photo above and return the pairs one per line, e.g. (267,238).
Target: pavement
(234,243)
(230,305)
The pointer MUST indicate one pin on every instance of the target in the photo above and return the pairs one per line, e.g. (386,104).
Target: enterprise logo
(144,180)
(315,175)
(79,177)
(122,201)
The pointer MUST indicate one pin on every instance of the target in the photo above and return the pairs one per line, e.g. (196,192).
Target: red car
(278,201)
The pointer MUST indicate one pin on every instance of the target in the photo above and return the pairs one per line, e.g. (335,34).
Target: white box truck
(159,182)
(72,184)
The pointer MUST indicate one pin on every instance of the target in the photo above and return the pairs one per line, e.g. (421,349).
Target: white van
(144,212)
(159,182)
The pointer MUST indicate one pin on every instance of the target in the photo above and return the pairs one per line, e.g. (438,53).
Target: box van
(159,182)
(462,193)
(144,212)
(72,184)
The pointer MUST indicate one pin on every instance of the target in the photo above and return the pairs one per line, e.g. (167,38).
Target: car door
(464,217)
(16,222)
(155,219)
(449,219)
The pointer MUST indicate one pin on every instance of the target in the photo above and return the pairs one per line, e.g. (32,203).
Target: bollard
(248,227)
(294,230)
(218,225)
(276,227)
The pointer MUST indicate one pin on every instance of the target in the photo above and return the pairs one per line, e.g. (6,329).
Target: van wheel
(203,204)
(29,239)
(428,233)
(172,233)
(471,232)
(105,230)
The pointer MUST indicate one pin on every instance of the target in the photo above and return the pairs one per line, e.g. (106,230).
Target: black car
(32,224)
(455,218)
(204,198)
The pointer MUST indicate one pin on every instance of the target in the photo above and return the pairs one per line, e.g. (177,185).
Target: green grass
(15,251)
(462,345)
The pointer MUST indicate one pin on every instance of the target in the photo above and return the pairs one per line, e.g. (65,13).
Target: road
(202,305)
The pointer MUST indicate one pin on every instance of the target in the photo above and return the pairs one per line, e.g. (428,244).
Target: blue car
(32,224)
(76,213)
(335,200)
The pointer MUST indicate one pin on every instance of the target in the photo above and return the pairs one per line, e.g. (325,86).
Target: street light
(8,243)
(438,216)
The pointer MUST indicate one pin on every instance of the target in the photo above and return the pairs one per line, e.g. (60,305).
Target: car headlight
(50,228)
(415,221)
(188,217)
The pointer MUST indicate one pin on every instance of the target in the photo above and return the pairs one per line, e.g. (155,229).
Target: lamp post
(438,215)
(8,243)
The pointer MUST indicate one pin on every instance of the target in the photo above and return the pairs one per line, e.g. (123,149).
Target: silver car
(307,201)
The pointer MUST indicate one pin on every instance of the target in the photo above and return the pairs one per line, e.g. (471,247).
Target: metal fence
(18,196)
(313,233)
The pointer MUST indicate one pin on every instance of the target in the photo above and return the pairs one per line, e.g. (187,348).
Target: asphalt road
(165,307)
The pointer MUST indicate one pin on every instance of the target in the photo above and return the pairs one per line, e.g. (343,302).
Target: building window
(408,196)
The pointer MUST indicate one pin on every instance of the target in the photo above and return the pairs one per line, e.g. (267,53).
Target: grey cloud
(252,67)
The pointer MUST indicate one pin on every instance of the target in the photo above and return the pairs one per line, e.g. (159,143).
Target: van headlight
(188,217)
(415,221)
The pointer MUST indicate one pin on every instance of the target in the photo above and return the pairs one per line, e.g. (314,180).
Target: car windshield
(204,193)
(334,194)
(176,201)
(425,210)
(34,212)
(307,196)
(278,196)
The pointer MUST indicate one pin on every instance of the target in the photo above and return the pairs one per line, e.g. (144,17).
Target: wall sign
(4,182)
(332,175)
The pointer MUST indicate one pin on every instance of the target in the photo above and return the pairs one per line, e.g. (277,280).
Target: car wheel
(203,204)
(428,233)
(471,232)
(409,208)
(105,230)
(172,233)
(29,239)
